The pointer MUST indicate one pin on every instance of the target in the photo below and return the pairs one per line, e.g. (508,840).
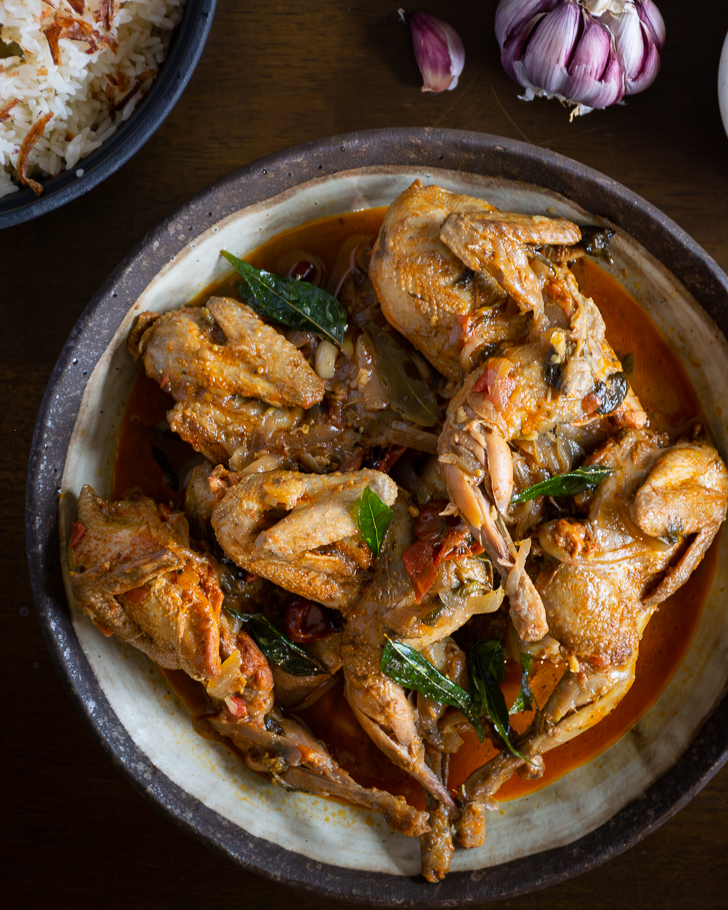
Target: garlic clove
(628,34)
(550,47)
(512,55)
(648,70)
(652,18)
(636,49)
(514,29)
(512,15)
(439,51)
(594,74)
(325,359)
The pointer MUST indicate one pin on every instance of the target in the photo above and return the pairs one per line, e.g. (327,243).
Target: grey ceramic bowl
(185,50)
(599,809)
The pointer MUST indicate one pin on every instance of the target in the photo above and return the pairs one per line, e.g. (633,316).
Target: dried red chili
(304,270)
(386,461)
(305,621)
(430,525)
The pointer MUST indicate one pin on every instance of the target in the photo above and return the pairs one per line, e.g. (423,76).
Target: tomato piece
(137,595)
(496,381)
(439,538)
(236,706)
(77,534)
(305,621)
(481,383)
(455,544)
(419,561)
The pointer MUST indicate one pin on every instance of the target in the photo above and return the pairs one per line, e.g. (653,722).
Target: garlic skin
(587,53)
(439,51)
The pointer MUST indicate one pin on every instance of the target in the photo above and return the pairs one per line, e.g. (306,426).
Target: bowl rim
(262,179)
(186,46)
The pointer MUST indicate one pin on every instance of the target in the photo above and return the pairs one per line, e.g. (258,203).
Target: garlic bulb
(439,51)
(587,53)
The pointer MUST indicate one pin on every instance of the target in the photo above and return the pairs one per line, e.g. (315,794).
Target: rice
(89,95)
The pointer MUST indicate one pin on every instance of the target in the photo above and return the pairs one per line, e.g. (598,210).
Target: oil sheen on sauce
(658,378)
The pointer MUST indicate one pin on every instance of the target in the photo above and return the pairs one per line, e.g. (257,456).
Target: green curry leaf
(373,518)
(278,648)
(525,700)
(410,396)
(487,671)
(10,49)
(569,484)
(410,669)
(294,303)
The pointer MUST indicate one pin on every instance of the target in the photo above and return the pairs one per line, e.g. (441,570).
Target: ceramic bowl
(185,50)
(723,84)
(583,819)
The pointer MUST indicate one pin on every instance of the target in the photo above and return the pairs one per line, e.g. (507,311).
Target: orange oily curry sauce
(323,252)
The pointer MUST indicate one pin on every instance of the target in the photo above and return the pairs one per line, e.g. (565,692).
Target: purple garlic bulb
(587,53)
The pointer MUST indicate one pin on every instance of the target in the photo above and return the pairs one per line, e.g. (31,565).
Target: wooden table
(77,834)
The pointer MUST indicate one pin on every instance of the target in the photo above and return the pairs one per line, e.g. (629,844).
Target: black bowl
(259,181)
(185,49)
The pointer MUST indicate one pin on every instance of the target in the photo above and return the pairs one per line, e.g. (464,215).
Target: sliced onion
(524,548)
(229,681)
(404,434)
(314,463)
(485,603)
(267,462)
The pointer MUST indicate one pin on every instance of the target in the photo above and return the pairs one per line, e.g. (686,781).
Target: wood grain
(77,835)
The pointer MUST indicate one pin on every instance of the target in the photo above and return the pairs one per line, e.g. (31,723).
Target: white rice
(74,91)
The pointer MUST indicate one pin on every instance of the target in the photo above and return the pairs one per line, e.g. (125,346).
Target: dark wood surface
(76,833)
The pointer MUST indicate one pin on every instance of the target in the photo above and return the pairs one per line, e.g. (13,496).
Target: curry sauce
(327,248)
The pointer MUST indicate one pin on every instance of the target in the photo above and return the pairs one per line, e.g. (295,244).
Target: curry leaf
(595,240)
(10,49)
(166,465)
(410,397)
(487,671)
(294,303)
(410,669)
(373,518)
(278,648)
(525,699)
(627,361)
(569,484)
(612,393)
